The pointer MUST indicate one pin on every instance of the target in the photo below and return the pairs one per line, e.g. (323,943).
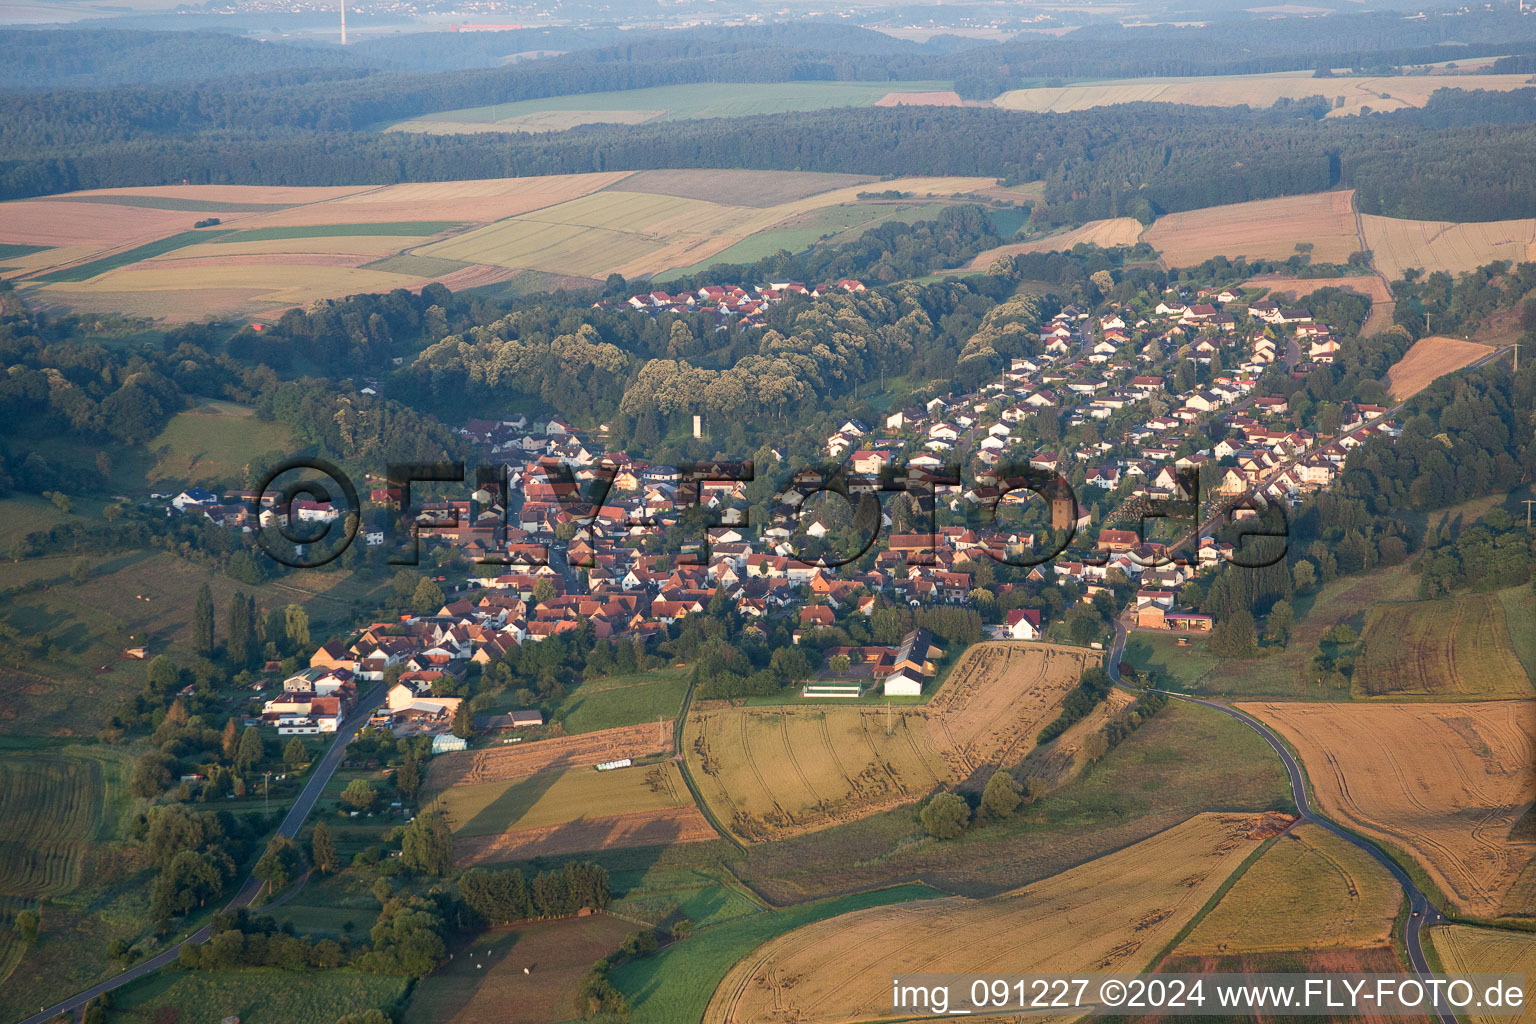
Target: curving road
(290,827)
(1420,910)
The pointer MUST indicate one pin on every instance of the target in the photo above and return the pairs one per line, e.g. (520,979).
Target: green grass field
(613,701)
(674,985)
(159,247)
(1454,648)
(402,227)
(213,443)
(705,894)
(485,983)
(1186,666)
(1520,619)
(668,103)
(257,996)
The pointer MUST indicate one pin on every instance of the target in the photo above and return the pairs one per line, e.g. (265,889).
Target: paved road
(290,828)
(1421,910)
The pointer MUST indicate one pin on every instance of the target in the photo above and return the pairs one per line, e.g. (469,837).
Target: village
(548,559)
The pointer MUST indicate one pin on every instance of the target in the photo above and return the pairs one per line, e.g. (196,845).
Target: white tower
(343,22)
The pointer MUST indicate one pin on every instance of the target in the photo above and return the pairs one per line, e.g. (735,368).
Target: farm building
(915,662)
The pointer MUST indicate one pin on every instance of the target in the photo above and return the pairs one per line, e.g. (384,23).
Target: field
(1187,759)
(1280,672)
(675,984)
(484,983)
(133,251)
(577,809)
(1520,620)
(146,597)
(258,995)
(1104,233)
(663,103)
(795,234)
(1455,647)
(522,760)
(772,772)
(637,233)
(614,701)
(1432,245)
(1298,288)
(1112,914)
(1428,360)
(1310,890)
(213,442)
(54,806)
(1262,229)
(1348,95)
(1467,950)
(1444,782)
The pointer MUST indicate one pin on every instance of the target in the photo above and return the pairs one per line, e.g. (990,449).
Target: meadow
(1277,672)
(256,996)
(213,443)
(1111,914)
(663,103)
(1185,760)
(1444,782)
(1464,949)
(1308,890)
(771,772)
(1262,229)
(1348,95)
(675,983)
(1455,648)
(1397,245)
(485,982)
(613,701)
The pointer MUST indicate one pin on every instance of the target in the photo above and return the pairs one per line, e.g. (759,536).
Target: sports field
(663,103)
(1465,949)
(1262,229)
(1112,914)
(1432,245)
(485,982)
(1347,94)
(1309,890)
(1455,648)
(1444,782)
(773,772)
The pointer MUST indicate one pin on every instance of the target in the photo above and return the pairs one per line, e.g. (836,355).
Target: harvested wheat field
(1106,234)
(1112,914)
(1464,949)
(1262,229)
(1446,783)
(521,760)
(1429,359)
(1310,890)
(1432,245)
(665,827)
(1351,95)
(773,772)
(1456,648)
(1298,288)
(920,99)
